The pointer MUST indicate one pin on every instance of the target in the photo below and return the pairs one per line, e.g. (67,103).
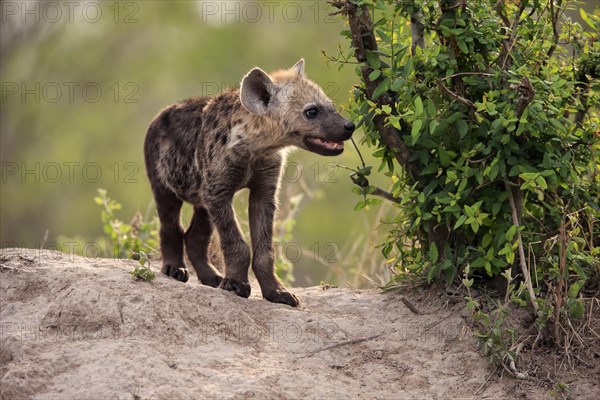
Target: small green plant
(283,235)
(136,240)
(143,271)
(560,391)
(496,338)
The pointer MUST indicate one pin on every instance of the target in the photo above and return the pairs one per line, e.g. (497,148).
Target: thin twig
(467,73)
(476,393)
(386,195)
(562,250)
(376,191)
(522,262)
(344,343)
(437,322)
(456,97)
(362,161)
(554,20)
(513,34)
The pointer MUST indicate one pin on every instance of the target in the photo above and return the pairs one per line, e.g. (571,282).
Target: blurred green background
(82,80)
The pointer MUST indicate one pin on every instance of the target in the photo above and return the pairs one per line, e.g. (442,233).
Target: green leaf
(462,186)
(444,157)
(382,88)
(510,257)
(462,127)
(496,208)
(494,171)
(431,111)
(510,234)
(433,253)
(446,31)
(541,182)
(576,308)
(487,239)
(461,220)
(374,75)
(394,121)
(557,124)
(432,125)
(488,268)
(433,271)
(479,262)
(373,60)
(469,211)
(415,131)
(575,288)
(418,106)
(587,19)
(360,205)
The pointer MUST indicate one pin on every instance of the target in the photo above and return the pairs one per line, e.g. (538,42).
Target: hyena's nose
(349,127)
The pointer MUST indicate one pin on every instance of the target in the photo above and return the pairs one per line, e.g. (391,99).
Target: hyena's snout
(348,129)
(333,135)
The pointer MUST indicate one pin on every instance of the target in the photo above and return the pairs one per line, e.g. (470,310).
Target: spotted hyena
(203,150)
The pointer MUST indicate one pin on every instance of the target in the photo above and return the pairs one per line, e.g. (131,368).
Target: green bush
(484,115)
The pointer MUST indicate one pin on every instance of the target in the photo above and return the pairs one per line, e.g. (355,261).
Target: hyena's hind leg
(197,240)
(171,234)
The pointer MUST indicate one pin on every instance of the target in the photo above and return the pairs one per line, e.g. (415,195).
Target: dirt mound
(76,328)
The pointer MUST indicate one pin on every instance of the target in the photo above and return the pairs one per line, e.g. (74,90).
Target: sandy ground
(75,328)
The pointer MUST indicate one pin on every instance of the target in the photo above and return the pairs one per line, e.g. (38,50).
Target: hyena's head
(308,117)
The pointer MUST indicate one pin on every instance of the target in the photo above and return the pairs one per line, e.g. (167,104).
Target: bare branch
(344,343)
(524,267)
(501,14)
(554,20)
(563,245)
(417,31)
(527,92)
(467,73)
(455,96)
(507,45)
(386,195)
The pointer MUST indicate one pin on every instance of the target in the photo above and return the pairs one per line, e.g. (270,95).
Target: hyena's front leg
(262,209)
(235,250)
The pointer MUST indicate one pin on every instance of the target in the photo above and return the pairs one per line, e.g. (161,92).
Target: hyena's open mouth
(323,146)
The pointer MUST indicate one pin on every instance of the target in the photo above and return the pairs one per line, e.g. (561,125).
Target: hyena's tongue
(329,145)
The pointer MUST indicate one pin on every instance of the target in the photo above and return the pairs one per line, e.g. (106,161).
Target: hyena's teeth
(328,144)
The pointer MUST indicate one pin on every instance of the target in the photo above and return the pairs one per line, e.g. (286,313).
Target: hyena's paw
(282,296)
(179,273)
(242,289)
(211,280)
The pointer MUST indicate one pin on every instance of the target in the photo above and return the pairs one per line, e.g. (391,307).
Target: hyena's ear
(298,68)
(256,91)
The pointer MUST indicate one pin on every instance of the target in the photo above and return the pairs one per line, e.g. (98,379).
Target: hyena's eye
(311,112)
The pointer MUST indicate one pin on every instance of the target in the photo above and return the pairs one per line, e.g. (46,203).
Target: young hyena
(203,150)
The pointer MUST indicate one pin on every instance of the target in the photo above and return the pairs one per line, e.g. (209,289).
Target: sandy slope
(74,328)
